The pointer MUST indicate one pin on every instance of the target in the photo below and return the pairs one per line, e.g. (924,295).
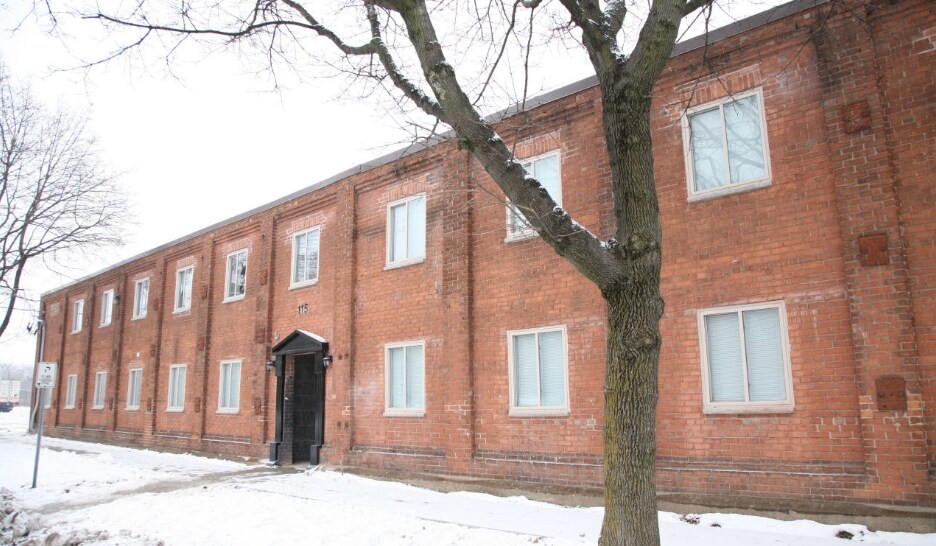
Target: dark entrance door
(308,402)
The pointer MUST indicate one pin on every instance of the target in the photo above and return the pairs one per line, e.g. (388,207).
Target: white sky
(213,142)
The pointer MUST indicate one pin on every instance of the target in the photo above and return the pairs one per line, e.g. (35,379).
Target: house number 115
(302,309)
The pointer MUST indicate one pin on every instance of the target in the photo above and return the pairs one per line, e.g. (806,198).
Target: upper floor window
(538,372)
(545,169)
(745,359)
(726,145)
(100,390)
(305,257)
(71,390)
(405,373)
(77,315)
(236,276)
(107,307)
(140,297)
(134,388)
(229,387)
(183,291)
(406,231)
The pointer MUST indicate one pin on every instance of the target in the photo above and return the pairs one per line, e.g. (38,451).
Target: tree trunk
(630,412)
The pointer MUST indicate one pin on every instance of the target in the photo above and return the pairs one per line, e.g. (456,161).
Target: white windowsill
(539,412)
(520,236)
(747,408)
(181,311)
(404,263)
(303,284)
(175,410)
(403,412)
(728,190)
(132,408)
(69,407)
(140,317)
(96,407)
(234,298)
(228,411)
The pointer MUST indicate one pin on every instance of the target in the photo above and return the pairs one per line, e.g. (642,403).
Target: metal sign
(45,375)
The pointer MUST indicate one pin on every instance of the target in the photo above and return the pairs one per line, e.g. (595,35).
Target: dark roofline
(738,27)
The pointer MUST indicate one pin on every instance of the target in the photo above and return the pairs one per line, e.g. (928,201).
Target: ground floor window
(745,359)
(538,372)
(229,389)
(100,390)
(405,372)
(133,388)
(71,389)
(176,387)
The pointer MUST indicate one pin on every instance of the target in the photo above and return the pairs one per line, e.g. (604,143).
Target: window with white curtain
(546,170)
(406,231)
(176,387)
(140,297)
(305,257)
(405,376)
(77,316)
(745,359)
(235,277)
(538,367)
(134,386)
(100,390)
(726,145)
(71,390)
(183,291)
(107,307)
(229,388)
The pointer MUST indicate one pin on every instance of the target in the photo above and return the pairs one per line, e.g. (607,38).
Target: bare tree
(396,45)
(55,197)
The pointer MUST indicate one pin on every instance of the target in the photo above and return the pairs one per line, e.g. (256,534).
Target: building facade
(400,316)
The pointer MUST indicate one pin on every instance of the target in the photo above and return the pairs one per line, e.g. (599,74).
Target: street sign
(45,375)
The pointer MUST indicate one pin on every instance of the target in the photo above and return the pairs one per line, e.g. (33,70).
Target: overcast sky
(212,142)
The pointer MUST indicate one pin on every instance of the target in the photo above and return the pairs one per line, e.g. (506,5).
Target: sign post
(45,379)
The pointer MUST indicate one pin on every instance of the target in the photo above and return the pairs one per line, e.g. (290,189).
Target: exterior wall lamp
(270,364)
(327,360)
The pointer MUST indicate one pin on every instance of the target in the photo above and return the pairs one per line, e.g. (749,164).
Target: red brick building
(795,156)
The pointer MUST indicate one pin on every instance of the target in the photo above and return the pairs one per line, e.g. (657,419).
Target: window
(726,144)
(140,298)
(405,374)
(100,386)
(305,257)
(77,316)
(538,372)
(183,290)
(236,277)
(406,231)
(107,307)
(229,389)
(546,170)
(71,390)
(176,387)
(745,359)
(134,388)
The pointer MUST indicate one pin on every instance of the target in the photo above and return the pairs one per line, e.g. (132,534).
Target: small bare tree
(55,197)
(402,47)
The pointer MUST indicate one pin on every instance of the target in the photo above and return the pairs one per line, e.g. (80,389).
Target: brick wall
(841,238)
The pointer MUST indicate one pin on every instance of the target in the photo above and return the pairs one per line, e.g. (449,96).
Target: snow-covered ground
(105,495)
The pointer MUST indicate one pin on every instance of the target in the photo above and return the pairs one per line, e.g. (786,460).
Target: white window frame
(537,411)
(710,407)
(77,316)
(71,390)
(763,182)
(182,306)
(225,406)
(228,297)
(140,305)
(107,307)
(134,388)
(528,232)
(416,259)
(404,411)
(100,391)
(170,391)
(293,282)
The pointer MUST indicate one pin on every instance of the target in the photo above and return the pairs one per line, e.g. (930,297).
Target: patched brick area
(840,234)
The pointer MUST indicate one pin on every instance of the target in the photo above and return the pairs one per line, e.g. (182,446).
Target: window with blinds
(305,257)
(100,390)
(229,389)
(545,169)
(538,372)
(745,359)
(405,372)
(134,385)
(176,387)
